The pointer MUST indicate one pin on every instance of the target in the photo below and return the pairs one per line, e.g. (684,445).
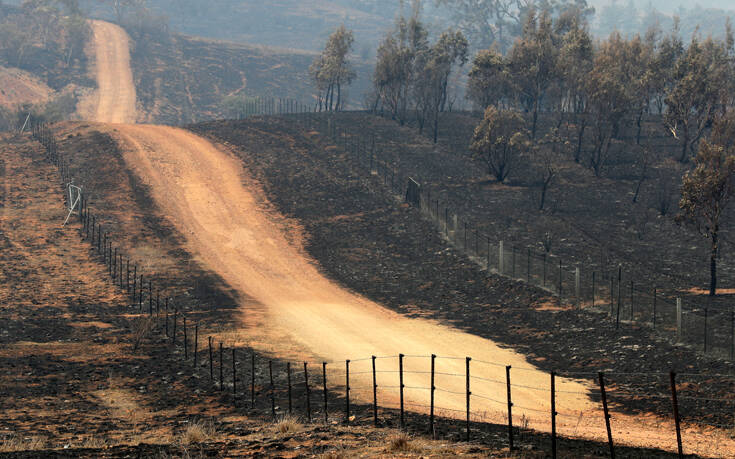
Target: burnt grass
(48,393)
(181,79)
(591,222)
(49,63)
(366,238)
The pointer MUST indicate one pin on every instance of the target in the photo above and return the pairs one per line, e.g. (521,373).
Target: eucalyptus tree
(533,63)
(699,92)
(706,191)
(332,69)
(431,85)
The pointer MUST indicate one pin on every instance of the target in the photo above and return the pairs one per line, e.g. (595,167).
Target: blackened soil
(366,238)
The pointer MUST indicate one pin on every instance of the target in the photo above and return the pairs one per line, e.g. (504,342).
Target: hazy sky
(670,5)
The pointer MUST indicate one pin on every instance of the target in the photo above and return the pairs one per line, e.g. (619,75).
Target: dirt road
(292,310)
(116,92)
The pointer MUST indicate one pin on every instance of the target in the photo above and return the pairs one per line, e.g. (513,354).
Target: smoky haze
(306,24)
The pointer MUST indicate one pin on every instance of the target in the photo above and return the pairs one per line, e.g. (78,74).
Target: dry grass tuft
(197,432)
(15,444)
(288,424)
(141,329)
(400,442)
(94,443)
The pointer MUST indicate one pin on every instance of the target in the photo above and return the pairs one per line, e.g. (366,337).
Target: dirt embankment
(18,87)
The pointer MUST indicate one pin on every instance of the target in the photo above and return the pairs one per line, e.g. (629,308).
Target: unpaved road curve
(292,309)
(208,196)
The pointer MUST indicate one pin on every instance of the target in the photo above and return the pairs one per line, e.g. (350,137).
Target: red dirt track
(294,310)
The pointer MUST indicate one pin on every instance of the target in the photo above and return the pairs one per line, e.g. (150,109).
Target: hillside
(88,376)
(334,284)
(283,23)
(43,67)
(182,79)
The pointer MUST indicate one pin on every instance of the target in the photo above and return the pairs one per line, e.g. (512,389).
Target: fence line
(626,300)
(251,382)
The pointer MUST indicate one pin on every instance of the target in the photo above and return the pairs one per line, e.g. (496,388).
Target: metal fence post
(324,380)
(553,415)
(375,395)
(510,407)
(467,374)
(603,395)
(432,389)
(347,391)
(500,258)
(675,403)
(620,296)
(653,323)
(401,386)
(211,363)
(234,376)
(290,388)
(221,371)
(308,394)
(488,254)
(632,316)
(678,320)
(273,389)
(705,329)
(593,288)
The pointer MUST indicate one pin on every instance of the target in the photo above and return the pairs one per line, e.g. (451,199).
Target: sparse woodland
(594,95)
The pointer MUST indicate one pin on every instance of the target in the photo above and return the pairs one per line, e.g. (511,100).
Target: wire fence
(453,387)
(626,297)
